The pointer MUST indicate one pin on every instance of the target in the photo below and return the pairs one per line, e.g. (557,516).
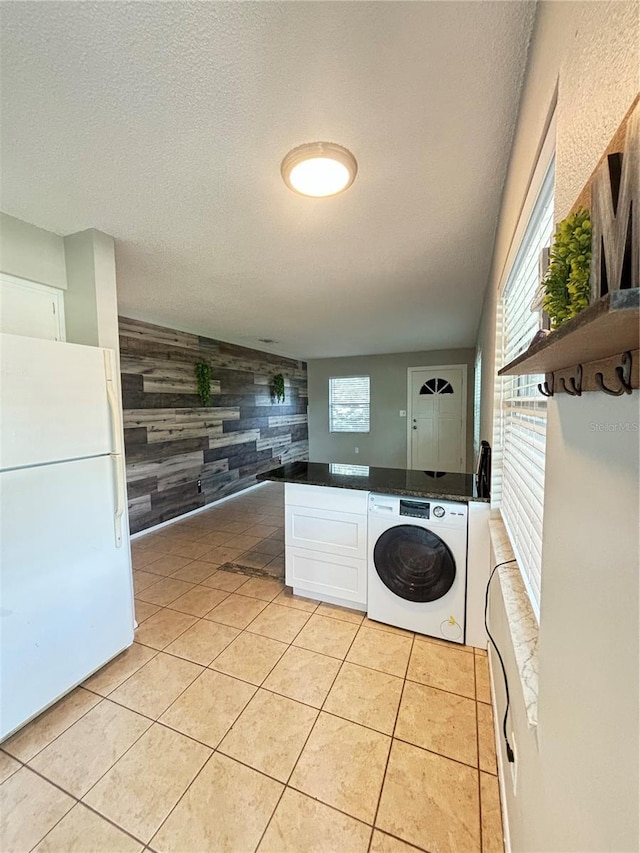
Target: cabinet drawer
(326,575)
(340,533)
(324,497)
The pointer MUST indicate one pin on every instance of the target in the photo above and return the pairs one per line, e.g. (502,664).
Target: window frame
(332,430)
(542,185)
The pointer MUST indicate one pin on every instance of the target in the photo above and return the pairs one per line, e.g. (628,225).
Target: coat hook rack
(545,389)
(623,372)
(573,385)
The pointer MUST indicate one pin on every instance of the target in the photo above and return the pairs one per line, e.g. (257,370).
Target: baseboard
(503,779)
(197,511)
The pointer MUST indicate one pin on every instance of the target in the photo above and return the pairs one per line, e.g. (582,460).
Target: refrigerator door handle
(112,399)
(120,489)
(116,456)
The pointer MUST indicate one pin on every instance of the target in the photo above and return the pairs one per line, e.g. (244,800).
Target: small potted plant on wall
(566,282)
(277,388)
(203,376)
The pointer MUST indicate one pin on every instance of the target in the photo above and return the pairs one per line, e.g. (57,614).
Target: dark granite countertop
(386,481)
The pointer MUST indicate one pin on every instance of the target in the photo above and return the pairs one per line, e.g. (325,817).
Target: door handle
(116,454)
(116,458)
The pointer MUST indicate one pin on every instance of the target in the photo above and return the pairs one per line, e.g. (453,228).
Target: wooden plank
(273,443)
(138,488)
(159,334)
(139,506)
(191,475)
(298,451)
(287,420)
(182,431)
(164,385)
(165,450)
(166,417)
(160,468)
(229,439)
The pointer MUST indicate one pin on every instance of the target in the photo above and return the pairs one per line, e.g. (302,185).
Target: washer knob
(438,511)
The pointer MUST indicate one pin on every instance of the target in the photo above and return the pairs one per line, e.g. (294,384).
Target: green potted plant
(203,375)
(278,388)
(566,282)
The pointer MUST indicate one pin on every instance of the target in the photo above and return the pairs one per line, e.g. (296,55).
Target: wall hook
(574,385)
(545,389)
(623,372)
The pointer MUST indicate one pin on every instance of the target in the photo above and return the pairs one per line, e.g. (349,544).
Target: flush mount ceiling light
(319,169)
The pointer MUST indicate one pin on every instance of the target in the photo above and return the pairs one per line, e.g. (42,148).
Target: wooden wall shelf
(596,351)
(606,328)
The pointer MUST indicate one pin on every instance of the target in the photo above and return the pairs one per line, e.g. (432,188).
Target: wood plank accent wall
(172,440)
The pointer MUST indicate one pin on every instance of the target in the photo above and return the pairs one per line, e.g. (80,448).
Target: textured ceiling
(164,124)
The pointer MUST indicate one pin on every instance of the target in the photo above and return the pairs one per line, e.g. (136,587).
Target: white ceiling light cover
(319,169)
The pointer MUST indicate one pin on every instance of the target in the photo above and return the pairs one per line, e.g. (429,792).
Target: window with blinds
(521,422)
(477,402)
(349,404)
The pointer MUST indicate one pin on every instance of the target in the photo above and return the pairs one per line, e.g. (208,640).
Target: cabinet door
(339,533)
(327,576)
(31,309)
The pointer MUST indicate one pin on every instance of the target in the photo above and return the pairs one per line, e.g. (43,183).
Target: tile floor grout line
(271,816)
(153,722)
(107,695)
(80,801)
(320,709)
(53,740)
(289,787)
(386,766)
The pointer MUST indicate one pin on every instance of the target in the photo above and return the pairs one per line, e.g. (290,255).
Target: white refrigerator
(66,598)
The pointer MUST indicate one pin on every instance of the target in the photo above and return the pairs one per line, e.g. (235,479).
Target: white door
(67,606)
(31,309)
(437,418)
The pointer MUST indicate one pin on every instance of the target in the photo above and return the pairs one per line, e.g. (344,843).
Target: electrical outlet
(357,450)
(403,413)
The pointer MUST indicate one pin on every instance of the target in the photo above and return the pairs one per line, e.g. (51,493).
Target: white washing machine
(417,565)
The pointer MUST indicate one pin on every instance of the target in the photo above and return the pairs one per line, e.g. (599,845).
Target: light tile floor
(244,718)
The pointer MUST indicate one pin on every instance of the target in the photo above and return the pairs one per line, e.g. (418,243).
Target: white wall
(578,774)
(386,443)
(31,253)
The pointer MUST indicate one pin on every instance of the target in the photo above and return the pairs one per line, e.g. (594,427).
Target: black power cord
(510,754)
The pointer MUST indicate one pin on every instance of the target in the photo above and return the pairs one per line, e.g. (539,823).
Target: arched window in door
(437,386)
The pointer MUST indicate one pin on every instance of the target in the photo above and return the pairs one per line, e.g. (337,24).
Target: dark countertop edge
(339,482)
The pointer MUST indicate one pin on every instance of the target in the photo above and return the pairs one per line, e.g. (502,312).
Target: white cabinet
(326,544)
(31,309)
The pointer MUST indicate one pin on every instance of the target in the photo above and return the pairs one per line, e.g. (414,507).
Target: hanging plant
(566,282)
(203,375)
(278,387)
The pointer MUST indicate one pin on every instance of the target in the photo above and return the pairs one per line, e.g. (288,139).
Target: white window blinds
(349,404)
(521,422)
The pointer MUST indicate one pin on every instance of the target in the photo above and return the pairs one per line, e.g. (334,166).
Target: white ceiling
(164,124)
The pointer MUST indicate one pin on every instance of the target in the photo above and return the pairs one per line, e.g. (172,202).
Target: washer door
(414,563)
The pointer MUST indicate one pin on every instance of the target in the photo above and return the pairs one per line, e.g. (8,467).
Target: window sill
(521,619)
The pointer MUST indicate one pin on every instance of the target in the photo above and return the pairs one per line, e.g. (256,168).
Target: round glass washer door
(414,563)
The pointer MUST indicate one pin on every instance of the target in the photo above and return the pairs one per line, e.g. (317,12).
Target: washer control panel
(439,511)
(415,509)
